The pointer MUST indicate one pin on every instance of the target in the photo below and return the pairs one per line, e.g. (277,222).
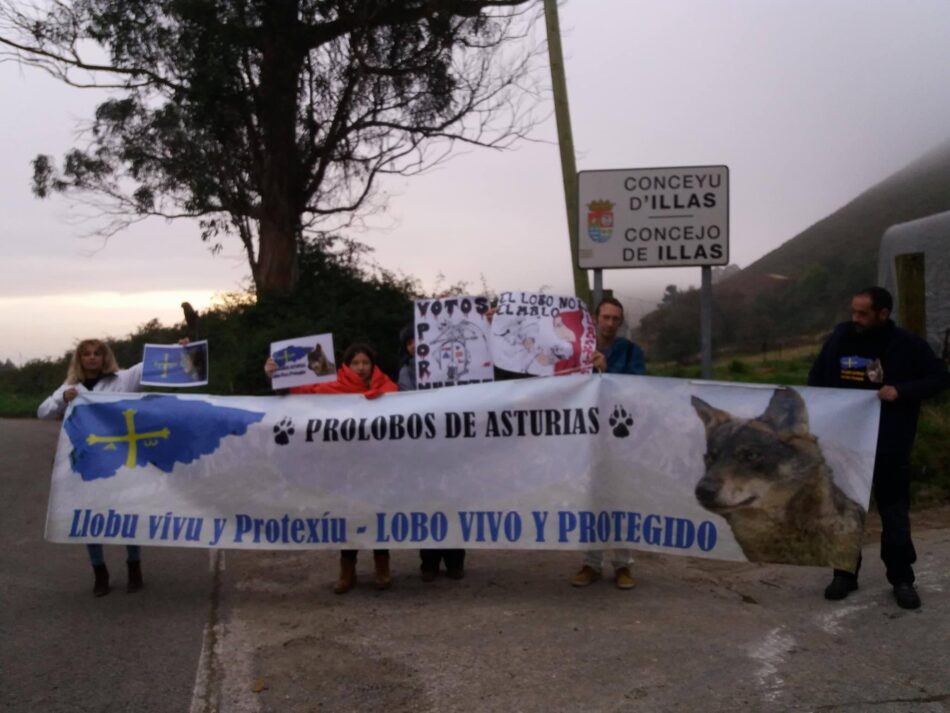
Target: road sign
(653,217)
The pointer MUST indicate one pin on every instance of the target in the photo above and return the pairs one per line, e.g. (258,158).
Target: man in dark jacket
(871,352)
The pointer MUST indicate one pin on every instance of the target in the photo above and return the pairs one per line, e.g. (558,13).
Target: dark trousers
(892,494)
(454,559)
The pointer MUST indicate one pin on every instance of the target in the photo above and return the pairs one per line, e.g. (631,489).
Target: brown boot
(383,577)
(347,579)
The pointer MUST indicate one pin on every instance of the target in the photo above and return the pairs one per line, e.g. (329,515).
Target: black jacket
(909,365)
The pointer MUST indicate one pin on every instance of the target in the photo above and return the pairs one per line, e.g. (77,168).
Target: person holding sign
(358,375)
(871,352)
(614,355)
(407,359)
(93,367)
(431,558)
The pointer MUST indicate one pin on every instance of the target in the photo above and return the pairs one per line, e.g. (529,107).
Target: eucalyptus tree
(272,119)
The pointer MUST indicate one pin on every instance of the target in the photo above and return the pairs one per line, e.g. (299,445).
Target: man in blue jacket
(871,352)
(614,355)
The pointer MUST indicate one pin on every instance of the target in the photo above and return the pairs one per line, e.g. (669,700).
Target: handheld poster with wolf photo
(303,360)
(174,365)
(541,334)
(451,337)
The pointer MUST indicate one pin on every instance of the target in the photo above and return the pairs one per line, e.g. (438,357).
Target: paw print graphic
(620,422)
(283,431)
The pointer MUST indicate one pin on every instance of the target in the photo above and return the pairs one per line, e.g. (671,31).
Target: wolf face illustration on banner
(768,478)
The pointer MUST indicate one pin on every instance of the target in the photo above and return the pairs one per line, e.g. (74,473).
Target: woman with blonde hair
(93,368)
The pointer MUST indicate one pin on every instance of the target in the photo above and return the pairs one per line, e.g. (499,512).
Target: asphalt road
(262,631)
(61,649)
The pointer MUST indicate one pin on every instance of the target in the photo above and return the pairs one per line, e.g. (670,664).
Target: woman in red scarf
(358,375)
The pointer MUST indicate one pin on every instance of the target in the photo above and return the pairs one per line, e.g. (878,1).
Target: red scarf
(347,382)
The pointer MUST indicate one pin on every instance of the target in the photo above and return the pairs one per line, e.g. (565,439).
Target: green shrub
(737,367)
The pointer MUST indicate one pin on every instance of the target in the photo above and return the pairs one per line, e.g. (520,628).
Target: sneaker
(623,579)
(587,576)
(906,595)
(840,587)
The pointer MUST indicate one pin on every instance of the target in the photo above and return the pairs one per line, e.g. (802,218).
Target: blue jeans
(133,554)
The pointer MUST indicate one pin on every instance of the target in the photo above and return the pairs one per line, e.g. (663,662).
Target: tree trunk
(281,176)
(277,270)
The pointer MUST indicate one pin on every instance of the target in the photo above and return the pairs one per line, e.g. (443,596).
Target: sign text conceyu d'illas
(653,217)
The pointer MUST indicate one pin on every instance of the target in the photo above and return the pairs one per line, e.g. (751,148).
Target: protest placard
(451,335)
(541,334)
(303,360)
(175,365)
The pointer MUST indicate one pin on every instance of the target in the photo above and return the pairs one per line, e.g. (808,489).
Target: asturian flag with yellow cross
(174,365)
(153,429)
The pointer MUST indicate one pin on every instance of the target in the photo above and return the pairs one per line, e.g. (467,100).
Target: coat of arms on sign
(600,220)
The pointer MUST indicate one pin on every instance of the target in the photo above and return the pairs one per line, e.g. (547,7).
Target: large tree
(268,118)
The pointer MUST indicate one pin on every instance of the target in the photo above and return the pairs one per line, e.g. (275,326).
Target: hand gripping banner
(766,474)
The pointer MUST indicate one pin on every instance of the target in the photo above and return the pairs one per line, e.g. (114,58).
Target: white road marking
(770,655)
(830,622)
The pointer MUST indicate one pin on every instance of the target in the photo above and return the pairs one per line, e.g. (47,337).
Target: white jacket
(124,380)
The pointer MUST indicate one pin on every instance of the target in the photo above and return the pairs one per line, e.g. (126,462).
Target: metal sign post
(598,287)
(705,321)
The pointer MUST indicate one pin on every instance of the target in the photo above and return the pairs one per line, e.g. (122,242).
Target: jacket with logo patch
(909,365)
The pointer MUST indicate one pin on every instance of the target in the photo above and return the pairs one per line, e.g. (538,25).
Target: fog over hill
(850,236)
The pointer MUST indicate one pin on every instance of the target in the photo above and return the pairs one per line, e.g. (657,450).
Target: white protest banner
(174,365)
(543,335)
(303,360)
(578,462)
(451,336)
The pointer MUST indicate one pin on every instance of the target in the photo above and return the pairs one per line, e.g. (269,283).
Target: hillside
(851,235)
(803,286)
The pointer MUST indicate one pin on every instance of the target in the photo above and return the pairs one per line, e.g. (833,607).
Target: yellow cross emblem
(164,365)
(130,437)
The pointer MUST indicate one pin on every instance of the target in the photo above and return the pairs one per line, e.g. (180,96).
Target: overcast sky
(809,102)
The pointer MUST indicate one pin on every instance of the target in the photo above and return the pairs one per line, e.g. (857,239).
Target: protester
(407,360)
(359,374)
(871,352)
(93,368)
(614,355)
(431,558)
